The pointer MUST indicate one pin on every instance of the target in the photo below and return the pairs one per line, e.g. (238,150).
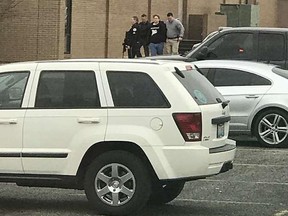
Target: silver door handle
(88,120)
(252,96)
(8,121)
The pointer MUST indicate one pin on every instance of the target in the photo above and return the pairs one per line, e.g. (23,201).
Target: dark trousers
(145,47)
(134,50)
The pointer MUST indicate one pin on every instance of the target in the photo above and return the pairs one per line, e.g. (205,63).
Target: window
(67,89)
(204,71)
(135,89)
(230,77)
(12,88)
(271,47)
(232,46)
(199,87)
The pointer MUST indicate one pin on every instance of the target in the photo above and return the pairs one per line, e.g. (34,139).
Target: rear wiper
(223,103)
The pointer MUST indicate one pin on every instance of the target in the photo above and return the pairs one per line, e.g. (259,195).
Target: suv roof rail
(223,28)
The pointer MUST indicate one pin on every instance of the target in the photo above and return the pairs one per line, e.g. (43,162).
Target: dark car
(268,45)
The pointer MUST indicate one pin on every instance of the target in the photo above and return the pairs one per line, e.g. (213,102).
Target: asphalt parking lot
(258,185)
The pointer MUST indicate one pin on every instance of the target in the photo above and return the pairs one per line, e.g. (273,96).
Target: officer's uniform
(132,40)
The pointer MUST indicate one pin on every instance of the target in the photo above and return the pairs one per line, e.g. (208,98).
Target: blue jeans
(156,49)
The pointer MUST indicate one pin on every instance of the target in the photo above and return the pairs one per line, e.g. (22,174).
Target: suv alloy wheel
(117,183)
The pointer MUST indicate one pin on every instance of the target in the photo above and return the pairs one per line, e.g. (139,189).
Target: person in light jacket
(175,33)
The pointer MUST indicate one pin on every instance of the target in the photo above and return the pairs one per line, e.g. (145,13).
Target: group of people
(153,37)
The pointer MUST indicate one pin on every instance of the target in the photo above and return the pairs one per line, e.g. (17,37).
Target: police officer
(132,39)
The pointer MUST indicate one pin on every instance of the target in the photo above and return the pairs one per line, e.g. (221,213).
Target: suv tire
(273,122)
(117,183)
(165,193)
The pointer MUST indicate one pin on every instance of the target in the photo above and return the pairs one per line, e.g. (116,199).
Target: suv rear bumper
(221,157)
(194,161)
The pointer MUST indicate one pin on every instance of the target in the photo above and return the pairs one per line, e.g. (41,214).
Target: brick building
(58,29)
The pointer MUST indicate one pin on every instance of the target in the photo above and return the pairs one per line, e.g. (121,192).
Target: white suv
(125,131)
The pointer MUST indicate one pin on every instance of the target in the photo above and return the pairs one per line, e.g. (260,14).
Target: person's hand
(180,39)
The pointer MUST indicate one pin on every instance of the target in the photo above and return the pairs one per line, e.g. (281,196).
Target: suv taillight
(190,125)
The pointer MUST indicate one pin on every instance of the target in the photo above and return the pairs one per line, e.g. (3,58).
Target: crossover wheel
(117,183)
(165,193)
(271,128)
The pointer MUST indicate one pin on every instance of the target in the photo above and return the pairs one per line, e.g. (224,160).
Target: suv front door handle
(252,96)
(88,120)
(8,121)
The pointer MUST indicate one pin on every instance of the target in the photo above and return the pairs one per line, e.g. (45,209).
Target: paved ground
(257,186)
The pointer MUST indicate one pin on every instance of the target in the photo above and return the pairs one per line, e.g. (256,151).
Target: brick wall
(162,7)
(33,32)
(88,28)
(120,22)
(36,29)
(282,15)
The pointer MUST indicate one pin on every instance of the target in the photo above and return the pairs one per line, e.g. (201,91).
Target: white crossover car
(125,131)
(258,95)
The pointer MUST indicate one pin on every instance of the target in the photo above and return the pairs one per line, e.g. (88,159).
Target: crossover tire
(165,193)
(117,183)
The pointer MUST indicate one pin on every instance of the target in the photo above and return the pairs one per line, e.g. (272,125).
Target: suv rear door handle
(252,96)
(8,121)
(88,120)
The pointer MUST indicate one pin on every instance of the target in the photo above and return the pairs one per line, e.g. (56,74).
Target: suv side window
(271,47)
(230,77)
(135,89)
(12,88)
(67,89)
(232,46)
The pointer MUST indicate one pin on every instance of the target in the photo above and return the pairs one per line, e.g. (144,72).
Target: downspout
(149,9)
(107,28)
(38,30)
(58,29)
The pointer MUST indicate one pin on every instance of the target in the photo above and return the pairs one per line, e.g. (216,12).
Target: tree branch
(6,7)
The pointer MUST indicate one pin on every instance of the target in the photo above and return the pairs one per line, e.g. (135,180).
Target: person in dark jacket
(144,29)
(157,36)
(132,37)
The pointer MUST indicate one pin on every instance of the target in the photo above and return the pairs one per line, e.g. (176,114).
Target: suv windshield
(199,87)
(208,37)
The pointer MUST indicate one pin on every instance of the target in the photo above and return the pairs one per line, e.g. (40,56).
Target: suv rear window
(135,89)
(199,87)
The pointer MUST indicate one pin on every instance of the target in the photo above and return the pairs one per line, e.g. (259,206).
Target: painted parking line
(283,151)
(224,201)
(260,165)
(282,213)
(267,183)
